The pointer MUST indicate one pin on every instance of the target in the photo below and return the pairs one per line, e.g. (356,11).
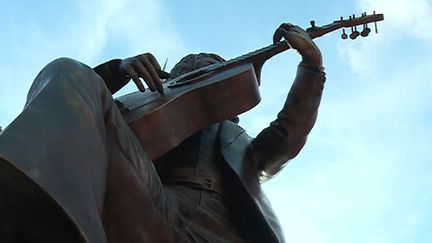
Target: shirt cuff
(312,68)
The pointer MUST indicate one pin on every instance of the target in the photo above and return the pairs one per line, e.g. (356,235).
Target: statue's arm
(286,136)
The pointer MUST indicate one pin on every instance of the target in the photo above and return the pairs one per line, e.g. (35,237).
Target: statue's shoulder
(230,132)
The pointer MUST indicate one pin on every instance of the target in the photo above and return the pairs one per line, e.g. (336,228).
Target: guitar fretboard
(260,54)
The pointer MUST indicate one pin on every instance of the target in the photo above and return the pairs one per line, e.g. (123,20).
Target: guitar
(211,94)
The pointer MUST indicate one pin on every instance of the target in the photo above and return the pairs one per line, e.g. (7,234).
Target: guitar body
(162,121)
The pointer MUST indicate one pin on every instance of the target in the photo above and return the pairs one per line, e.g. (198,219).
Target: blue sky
(365,173)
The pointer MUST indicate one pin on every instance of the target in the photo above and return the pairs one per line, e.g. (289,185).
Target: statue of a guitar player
(71,170)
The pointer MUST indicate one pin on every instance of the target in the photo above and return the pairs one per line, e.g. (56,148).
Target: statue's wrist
(313,60)
(312,56)
(314,67)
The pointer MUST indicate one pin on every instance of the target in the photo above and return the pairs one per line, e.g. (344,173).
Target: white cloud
(141,26)
(406,23)
(145,26)
(403,17)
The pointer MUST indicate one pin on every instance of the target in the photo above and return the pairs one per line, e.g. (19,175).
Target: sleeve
(286,136)
(110,73)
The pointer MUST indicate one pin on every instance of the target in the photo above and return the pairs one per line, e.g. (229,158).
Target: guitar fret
(241,58)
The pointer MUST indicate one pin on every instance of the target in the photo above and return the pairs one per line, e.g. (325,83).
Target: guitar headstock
(352,22)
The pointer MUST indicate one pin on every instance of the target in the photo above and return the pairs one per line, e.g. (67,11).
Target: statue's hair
(191,62)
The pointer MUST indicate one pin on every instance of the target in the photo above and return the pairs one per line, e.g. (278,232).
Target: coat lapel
(235,148)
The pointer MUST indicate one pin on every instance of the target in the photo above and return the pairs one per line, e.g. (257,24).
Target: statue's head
(192,62)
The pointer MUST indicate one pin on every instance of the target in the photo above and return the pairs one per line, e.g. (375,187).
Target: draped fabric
(71,148)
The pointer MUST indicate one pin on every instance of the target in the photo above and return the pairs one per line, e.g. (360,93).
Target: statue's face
(194,61)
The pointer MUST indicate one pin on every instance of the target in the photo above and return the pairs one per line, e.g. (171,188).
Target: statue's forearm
(285,136)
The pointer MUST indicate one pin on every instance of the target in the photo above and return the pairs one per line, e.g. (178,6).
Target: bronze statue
(71,170)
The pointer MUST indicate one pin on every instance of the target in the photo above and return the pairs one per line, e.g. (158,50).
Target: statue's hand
(144,67)
(300,41)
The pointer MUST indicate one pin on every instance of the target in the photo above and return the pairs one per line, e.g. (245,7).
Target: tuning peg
(354,34)
(366,30)
(376,28)
(312,23)
(375,23)
(344,36)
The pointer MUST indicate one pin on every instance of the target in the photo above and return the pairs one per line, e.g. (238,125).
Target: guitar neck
(263,54)
(256,56)
(259,56)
